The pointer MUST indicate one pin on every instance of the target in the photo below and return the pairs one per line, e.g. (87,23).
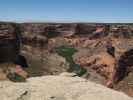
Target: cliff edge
(62,87)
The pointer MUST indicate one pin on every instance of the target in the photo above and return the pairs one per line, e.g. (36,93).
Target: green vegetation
(52,34)
(15,77)
(67,53)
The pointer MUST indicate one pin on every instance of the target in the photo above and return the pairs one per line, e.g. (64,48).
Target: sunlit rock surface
(62,87)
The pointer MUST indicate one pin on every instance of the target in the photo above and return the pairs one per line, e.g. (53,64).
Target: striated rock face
(40,37)
(60,29)
(32,32)
(45,28)
(58,88)
(37,34)
(9,41)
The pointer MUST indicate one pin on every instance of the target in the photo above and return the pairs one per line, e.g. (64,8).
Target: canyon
(54,48)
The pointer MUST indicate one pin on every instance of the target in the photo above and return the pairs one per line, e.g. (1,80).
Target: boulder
(58,88)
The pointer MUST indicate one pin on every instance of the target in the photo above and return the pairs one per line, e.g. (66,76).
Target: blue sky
(67,10)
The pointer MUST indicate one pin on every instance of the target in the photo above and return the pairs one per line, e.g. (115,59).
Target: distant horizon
(38,21)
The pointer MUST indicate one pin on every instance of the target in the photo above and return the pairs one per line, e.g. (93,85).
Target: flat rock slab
(58,88)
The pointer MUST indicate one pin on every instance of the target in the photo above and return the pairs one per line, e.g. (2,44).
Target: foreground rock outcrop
(63,87)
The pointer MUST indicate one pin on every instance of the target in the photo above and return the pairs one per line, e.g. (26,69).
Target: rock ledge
(58,88)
